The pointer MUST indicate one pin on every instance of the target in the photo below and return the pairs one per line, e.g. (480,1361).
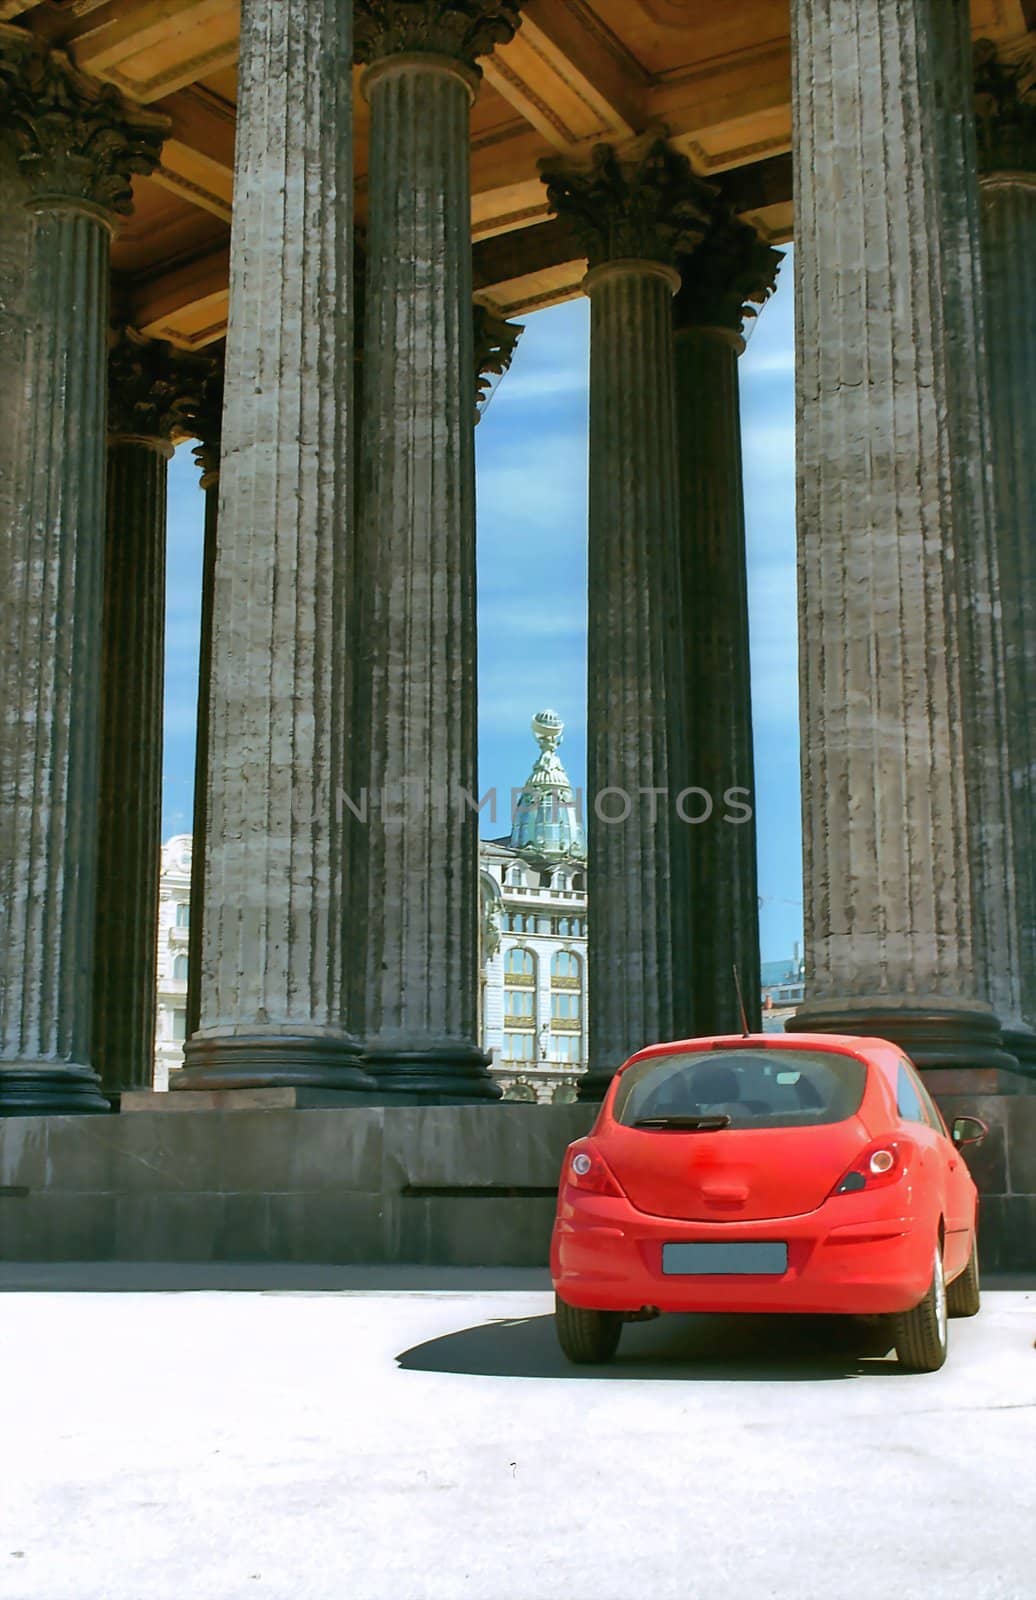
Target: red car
(761,1173)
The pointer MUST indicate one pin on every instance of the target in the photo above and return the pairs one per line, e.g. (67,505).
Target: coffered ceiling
(715,72)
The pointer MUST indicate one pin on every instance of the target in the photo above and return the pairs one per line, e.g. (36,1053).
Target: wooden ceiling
(716,72)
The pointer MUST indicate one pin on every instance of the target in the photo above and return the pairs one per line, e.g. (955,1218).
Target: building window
(518,1005)
(571,927)
(518,922)
(578,882)
(520,966)
(179,1026)
(515,878)
(519,1047)
(566,969)
(180,965)
(523,1092)
(183,914)
(565,1048)
(565,1095)
(566,1009)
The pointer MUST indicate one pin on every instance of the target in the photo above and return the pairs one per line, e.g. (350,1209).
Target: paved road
(396,1435)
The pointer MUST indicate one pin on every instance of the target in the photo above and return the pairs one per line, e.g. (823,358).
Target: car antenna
(741,1003)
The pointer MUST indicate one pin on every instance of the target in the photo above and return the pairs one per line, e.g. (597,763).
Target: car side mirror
(969,1130)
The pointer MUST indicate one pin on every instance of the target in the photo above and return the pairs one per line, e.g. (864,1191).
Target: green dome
(546,819)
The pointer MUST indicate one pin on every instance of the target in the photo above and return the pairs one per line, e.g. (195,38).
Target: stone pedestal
(76,175)
(415,863)
(635,211)
(889,887)
(1007,160)
(729,271)
(271,1004)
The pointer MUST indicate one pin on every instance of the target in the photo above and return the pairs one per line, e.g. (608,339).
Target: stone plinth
(462,1185)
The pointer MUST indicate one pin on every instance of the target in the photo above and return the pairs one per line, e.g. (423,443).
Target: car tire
(587,1338)
(920,1335)
(964,1294)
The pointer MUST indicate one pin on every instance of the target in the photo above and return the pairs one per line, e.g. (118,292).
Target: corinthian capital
(729,275)
(1005,111)
(75,139)
(155,391)
(464,29)
(637,202)
(496,341)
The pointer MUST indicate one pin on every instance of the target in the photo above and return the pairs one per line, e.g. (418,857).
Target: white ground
(366,1434)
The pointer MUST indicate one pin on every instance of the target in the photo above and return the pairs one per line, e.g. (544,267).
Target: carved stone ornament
(639,202)
(152,387)
(1005,111)
(463,29)
(75,139)
(203,411)
(496,341)
(729,275)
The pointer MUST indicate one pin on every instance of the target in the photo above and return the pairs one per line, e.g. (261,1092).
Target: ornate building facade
(534,967)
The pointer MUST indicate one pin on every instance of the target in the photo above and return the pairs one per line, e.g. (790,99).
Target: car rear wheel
(963,1296)
(586,1337)
(921,1334)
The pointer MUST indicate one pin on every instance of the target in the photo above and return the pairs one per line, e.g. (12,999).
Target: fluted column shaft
(50,694)
(417,687)
(723,877)
(634,705)
(976,563)
(271,1006)
(1009,245)
(889,900)
(199,824)
(129,838)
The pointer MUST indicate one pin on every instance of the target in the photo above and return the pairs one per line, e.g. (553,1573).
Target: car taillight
(588,1171)
(881,1163)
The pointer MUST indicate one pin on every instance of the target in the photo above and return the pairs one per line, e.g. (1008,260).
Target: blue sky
(532,485)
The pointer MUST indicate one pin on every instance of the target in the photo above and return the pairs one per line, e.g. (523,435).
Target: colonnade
(334,939)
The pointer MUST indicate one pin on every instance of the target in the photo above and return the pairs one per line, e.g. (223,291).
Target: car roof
(879,1052)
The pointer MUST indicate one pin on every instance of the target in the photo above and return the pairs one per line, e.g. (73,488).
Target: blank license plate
(707,1260)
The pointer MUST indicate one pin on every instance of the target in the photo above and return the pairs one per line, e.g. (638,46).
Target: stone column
(730,273)
(76,144)
(636,210)
(976,565)
(1006,104)
(144,412)
(271,1006)
(889,886)
(206,424)
(417,856)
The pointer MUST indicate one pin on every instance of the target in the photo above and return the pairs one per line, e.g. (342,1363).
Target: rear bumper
(607,1256)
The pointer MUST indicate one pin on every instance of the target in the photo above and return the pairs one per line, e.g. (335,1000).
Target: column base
(50,1089)
(1020,1039)
(593,1087)
(935,1033)
(272,1061)
(437,1075)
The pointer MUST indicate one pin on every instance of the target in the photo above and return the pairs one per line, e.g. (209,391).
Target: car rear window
(755,1088)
